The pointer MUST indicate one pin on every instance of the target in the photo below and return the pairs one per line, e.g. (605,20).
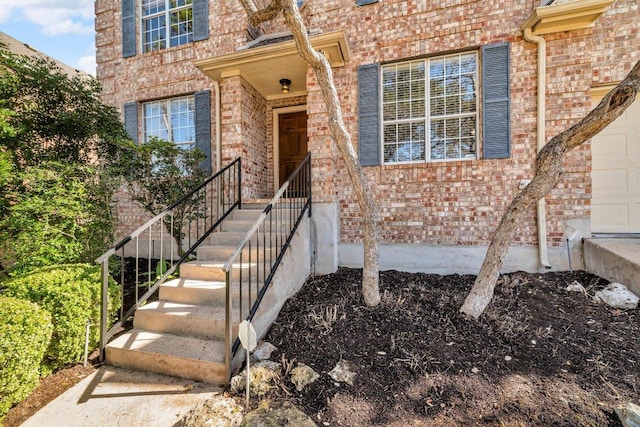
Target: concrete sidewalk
(119,397)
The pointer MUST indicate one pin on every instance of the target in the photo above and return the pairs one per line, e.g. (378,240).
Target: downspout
(218,127)
(542,75)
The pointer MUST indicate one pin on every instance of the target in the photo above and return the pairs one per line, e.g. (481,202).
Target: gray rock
(617,295)
(263,351)
(286,415)
(218,411)
(302,375)
(344,372)
(629,415)
(263,375)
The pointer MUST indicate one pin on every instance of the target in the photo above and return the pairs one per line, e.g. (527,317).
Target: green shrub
(72,294)
(25,332)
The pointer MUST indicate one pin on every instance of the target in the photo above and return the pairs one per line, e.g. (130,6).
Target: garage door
(616,174)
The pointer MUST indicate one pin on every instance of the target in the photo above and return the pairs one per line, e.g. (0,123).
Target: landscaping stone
(629,415)
(263,351)
(219,411)
(303,375)
(286,415)
(617,295)
(263,375)
(344,372)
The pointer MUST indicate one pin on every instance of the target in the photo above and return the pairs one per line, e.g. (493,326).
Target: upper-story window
(171,120)
(429,109)
(166,23)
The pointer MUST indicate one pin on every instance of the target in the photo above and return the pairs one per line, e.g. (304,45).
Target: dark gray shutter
(200,20)
(128,28)
(369,114)
(131,120)
(496,117)
(203,126)
(365,2)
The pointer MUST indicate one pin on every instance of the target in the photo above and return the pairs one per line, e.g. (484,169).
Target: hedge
(71,293)
(25,333)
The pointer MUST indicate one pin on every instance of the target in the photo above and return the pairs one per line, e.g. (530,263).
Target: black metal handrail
(193,218)
(257,258)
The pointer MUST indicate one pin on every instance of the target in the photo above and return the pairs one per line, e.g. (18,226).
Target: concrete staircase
(182,334)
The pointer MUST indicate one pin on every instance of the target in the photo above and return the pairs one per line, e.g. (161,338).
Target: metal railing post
(227,327)
(103,312)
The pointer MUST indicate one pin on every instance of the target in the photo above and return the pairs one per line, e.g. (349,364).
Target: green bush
(72,294)
(25,332)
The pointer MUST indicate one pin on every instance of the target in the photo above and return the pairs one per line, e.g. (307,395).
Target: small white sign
(247,335)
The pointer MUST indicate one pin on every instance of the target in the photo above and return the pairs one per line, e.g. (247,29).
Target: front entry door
(292,144)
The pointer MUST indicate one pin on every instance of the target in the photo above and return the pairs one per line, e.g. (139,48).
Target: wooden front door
(292,144)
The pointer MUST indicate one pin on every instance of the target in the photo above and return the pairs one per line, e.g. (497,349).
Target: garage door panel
(611,218)
(616,175)
(610,180)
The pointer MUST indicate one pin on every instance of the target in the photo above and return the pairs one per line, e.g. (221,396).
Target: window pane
(437,106)
(437,149)
(181,27)
(171,120)
(437,69)
(417,109)
(154,30)
(404,110)
(156,121)
(390,153)
(389,112)
(150,7)
(453,149)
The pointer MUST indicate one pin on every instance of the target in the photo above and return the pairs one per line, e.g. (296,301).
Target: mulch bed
(540,355)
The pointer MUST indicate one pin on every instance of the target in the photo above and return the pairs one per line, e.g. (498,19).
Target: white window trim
(167,14)
(427,118)
(167,102)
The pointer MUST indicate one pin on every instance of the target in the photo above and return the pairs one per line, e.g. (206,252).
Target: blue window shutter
(200,19)
(369,114)
(131,120)
(203,126)
(496,102)
(365,2)
(128,28)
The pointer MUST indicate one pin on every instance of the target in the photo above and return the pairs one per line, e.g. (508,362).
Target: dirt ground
(539,356)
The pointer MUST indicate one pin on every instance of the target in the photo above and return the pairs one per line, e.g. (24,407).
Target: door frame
(276,139)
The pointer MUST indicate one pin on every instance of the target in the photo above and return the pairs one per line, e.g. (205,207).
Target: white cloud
(53,17)
(87,64)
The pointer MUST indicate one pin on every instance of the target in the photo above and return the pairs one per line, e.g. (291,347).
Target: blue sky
(63,29)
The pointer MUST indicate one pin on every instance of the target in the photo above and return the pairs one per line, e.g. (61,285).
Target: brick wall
(452,203)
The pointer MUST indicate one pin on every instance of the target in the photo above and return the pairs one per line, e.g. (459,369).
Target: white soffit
(264,66)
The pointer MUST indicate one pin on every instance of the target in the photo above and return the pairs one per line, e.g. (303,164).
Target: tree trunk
(322,69)
(548,173)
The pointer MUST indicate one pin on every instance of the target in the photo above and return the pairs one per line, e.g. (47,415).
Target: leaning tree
(322,69)
(548,174)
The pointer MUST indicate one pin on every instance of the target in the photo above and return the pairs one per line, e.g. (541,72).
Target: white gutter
(542,75)
(218,127)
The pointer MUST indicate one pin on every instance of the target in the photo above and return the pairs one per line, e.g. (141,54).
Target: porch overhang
(565,16)
(264,66)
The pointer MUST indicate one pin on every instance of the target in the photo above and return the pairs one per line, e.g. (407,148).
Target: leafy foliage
(71,293)
(25,332)
(61,152)
(161,173)
(56,215)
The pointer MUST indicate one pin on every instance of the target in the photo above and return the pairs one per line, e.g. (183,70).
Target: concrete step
(201,292)
(191,320)
(245,225)
(223,253)
(227,238)
(213,270)
(245,214)
(184,357)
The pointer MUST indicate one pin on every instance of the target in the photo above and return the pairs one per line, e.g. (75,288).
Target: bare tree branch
(258,16)
(548,173)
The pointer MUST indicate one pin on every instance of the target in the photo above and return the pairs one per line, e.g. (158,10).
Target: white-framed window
(430,109)
(166,23)
(171,120)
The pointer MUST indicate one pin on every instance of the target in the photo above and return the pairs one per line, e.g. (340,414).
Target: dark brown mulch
(540,355)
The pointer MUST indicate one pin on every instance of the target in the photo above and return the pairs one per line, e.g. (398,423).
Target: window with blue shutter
(203,126)
(131,120)
(369,114)
(128,28)
(496,120)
